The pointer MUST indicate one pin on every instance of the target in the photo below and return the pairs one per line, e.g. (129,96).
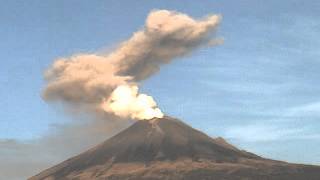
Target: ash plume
(89,80)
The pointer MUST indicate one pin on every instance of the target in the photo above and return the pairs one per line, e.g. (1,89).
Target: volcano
(167,149)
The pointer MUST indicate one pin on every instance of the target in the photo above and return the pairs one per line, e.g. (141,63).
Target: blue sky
(259,89)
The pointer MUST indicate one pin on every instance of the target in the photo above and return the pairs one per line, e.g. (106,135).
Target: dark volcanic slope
(169,149)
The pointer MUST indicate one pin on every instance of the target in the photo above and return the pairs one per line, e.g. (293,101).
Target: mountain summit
(166,148)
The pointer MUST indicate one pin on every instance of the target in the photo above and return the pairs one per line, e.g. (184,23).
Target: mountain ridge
(147,148)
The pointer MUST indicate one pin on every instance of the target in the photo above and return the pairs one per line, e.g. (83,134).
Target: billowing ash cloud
(88,80)
(99,83)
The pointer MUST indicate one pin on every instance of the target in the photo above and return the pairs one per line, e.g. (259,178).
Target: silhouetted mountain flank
(168,149)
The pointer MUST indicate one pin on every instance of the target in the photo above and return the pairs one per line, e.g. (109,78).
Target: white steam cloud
(126,102)
(109,83)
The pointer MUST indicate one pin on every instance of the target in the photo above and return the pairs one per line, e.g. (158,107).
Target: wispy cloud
(265,132)
(63,141)
(305,110)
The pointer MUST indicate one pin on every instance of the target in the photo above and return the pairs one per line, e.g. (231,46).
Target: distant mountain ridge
(166,148)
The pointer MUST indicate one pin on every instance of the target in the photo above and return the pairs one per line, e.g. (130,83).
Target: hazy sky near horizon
(259,89)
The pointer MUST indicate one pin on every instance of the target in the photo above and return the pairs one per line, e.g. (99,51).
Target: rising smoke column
(99,83)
